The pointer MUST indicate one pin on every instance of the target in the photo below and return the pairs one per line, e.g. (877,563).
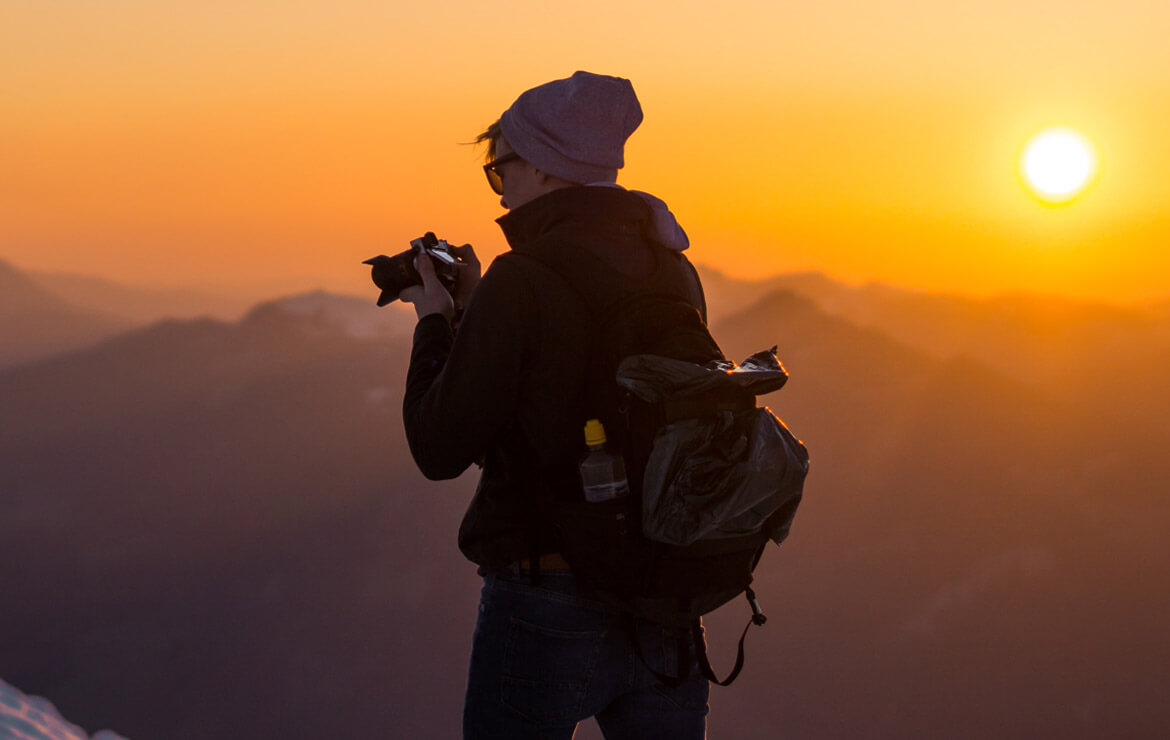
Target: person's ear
(544,179)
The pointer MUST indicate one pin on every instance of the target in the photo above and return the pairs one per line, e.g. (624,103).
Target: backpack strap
(593,303)
(611,299)
(701,644)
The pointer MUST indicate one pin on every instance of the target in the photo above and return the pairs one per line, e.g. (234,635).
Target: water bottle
(602,473)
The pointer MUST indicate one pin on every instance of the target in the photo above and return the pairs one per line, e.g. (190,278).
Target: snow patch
(360,319)
(34,718)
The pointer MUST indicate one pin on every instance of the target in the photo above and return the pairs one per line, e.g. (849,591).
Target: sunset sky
(253,143)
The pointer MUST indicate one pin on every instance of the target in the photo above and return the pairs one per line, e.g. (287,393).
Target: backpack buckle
(757,613)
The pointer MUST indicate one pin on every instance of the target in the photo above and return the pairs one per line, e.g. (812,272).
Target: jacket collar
(592,210)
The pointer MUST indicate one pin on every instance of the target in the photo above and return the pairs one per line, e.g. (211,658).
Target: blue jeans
(548,656)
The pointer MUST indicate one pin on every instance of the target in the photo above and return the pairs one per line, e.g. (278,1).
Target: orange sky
(241,141)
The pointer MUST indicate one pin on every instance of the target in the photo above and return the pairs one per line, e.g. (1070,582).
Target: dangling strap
(701,645)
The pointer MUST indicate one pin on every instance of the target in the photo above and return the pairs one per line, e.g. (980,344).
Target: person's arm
(461,390)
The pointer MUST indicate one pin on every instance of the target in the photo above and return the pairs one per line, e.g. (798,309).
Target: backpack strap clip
(757,613)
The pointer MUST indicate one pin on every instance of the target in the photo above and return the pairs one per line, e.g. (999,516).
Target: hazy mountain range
(35,322)
(143,304)
(47,313)
(1111,359)
(212,528)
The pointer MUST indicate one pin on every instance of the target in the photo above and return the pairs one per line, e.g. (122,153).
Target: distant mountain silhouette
(360,318)
(727,295)
(138,304)
(214,529)
(1112,359)
(36,323)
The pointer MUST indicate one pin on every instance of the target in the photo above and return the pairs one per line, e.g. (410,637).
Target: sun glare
(1058,163)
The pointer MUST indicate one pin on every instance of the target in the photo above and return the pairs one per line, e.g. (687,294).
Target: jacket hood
(601,204)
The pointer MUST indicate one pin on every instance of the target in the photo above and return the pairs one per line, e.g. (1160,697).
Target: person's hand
(430,297)
(467,274)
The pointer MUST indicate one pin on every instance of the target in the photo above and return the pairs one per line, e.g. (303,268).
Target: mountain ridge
(35,322)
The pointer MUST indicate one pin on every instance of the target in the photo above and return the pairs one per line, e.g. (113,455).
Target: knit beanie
(574,128)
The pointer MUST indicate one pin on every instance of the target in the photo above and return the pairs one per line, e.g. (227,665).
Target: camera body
(393,274)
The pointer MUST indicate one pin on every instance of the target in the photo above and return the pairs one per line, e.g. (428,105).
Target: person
(506,389)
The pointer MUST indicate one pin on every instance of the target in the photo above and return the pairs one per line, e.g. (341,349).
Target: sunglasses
(493,175)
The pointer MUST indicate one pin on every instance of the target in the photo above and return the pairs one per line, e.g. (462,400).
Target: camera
(393,274)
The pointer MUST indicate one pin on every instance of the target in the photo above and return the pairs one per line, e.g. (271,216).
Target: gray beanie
(575,128)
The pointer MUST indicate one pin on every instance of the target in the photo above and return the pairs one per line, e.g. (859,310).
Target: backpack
(712,477)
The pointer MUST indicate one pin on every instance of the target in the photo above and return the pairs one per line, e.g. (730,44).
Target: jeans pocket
(546,672)
(664,656)
(691,695)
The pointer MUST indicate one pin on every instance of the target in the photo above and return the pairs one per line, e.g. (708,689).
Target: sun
(1058,164)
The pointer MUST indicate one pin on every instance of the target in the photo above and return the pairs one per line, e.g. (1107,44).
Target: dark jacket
(508,390)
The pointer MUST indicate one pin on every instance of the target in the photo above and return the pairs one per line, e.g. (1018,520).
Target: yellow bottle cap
(594,433)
